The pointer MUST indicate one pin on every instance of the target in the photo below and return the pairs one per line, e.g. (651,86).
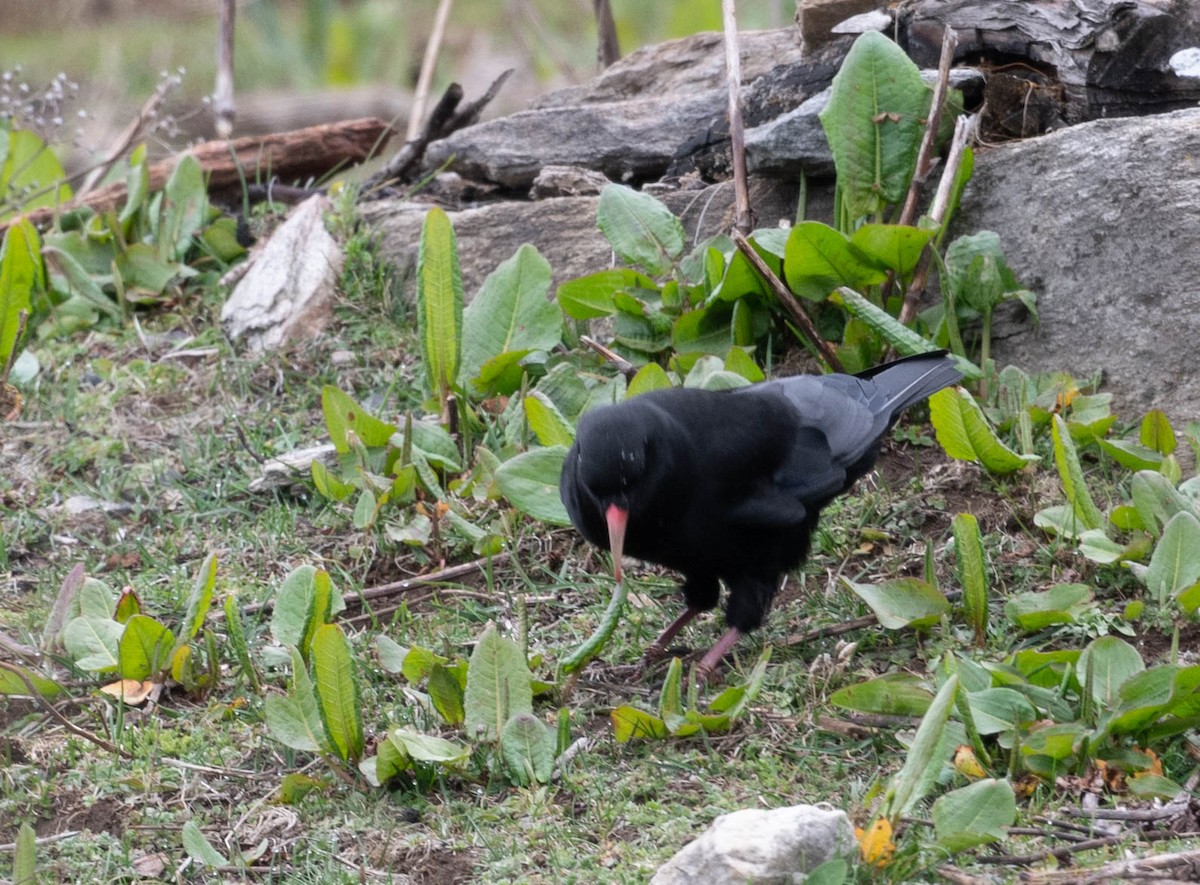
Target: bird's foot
(708,664)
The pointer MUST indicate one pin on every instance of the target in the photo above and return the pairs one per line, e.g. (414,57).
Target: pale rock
(287,293)
(766,847)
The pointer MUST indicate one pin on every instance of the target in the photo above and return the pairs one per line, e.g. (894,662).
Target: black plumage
(728,485)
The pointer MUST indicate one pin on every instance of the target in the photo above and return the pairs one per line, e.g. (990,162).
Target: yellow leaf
(966,763)
(130,690)
(876,843)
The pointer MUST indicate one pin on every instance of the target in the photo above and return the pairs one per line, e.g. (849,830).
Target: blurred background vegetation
(299,62)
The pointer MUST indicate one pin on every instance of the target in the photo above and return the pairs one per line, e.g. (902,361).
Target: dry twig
(794,308)
(623,365)
(743,221)
(432,48)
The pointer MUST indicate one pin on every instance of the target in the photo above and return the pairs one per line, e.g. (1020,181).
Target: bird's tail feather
(907,381)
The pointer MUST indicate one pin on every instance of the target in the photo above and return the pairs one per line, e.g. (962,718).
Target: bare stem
(743,220)
(224,109)
(794,308)
(425,80)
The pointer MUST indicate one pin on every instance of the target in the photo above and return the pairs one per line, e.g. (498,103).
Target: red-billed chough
(727,485)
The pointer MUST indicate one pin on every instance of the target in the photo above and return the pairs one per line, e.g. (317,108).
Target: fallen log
(300,155)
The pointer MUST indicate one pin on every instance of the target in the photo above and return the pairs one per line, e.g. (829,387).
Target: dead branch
(299,154)
(395,588)
(964,129)
(1186,863)
(743,222)
(445,118)
(623,365)
(62,720)
(425,78)
(224,109)
(608,49)
(794,308)
(929,141)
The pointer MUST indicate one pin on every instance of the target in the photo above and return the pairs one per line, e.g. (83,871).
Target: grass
(175,445)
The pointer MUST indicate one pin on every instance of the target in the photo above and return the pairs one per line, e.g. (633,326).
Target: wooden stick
(608,48)
(743,221)
(624,366)
(223,106)
(425,79)
(395,587)
(127,137)
(963,131)
(794,308)
(929,141)
(299,154)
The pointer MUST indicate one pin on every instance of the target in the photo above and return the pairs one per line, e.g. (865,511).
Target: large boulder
(1102,220)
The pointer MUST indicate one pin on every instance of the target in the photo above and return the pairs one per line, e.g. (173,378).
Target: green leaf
(974,815)
(592,296)
(510,313)
(144,275)
(705,330)
(30,167)
(1061,604)
(670,701)
(185,203)
(24,868)
(547,423)
(1156,500)
(904,791)
(1108,662)
(819,259)
(1133,455)
(92,643)
(337,691)
(649,377)
(199,849)
(200,599)
(902,602)
(390,654)
(593,645)
(498,684)
(966,435)
(874,124)
(530,483)
(640,228)
(145,649)
(1000,710)
(12,684)
(897,247)
(1154,786)
(972,573)
(976,271)
(630,722)
(1156,433)
(439,302)
(709,373)
(419,663)
(1070,473)
(446,694)
(898,694)
(428,748)
(21,273)
(296,607)
(1175,563)
(903,339)
(741,363)
(295,720)
(343,415)
(528,749)
(81,283)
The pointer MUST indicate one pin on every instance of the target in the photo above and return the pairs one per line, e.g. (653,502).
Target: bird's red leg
(709,662)
(659,646)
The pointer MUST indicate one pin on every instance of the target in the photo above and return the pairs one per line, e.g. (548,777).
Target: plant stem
(742,221)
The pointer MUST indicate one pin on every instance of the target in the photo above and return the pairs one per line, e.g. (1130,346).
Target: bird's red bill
(617,519)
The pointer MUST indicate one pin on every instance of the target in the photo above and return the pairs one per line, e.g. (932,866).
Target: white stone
(767,847)
(287,293)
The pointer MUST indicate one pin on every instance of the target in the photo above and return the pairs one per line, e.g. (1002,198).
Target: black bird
(727,485)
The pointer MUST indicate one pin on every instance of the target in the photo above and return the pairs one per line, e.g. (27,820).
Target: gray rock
(563,229)
(626,140)
(1101,221)
(761,846)
(695,63)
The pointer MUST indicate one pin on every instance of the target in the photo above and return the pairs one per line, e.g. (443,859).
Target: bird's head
(616,469)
